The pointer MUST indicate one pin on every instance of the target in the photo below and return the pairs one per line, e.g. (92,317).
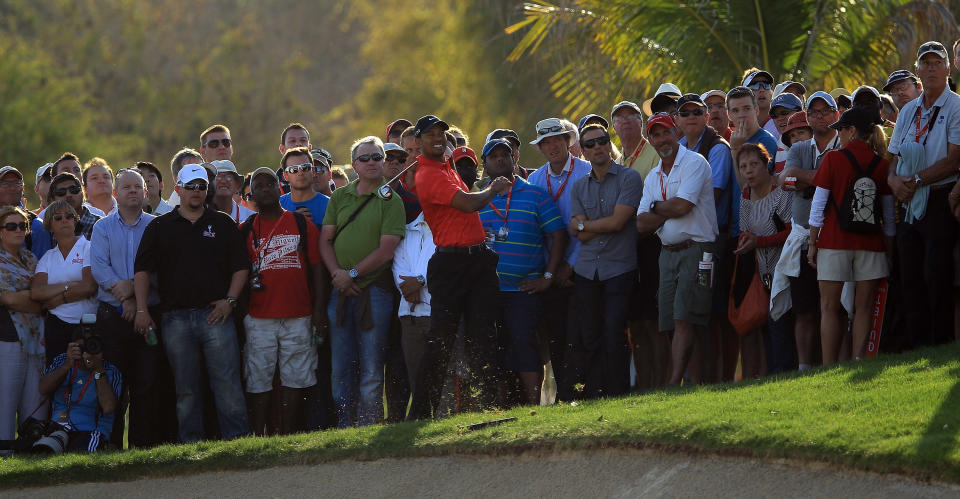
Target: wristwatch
(917,180)
(580,226)
(97,376)
(421,280)
(548,275)
(232,301)
(354,273)
(653,207)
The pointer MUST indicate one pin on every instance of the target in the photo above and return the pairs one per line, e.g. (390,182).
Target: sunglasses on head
(399,158)
(215,143)
(549,129)
(696,112)
(599,141)
(62,191)
(202,186)
(302,167)
(12,226)
(757,85)
(60,216)
(370,157)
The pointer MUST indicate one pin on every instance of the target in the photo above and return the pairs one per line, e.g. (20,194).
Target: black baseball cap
(427,122)
(505,133)
(861,117)
(594,117)
(898,76)
(690,98)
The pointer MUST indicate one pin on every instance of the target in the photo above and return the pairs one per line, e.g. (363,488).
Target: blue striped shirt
(532,216)
(85,413)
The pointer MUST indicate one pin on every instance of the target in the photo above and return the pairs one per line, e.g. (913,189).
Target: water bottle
(705,270)
(151,337)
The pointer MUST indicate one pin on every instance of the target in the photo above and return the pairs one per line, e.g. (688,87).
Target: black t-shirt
(194,262)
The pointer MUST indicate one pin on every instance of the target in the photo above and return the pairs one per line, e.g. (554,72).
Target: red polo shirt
(437,183)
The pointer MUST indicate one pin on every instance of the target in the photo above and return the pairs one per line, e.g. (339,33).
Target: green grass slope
(898,413)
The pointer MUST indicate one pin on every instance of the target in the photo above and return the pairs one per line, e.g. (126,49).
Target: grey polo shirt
(806,156)
(607,255)
(945,130)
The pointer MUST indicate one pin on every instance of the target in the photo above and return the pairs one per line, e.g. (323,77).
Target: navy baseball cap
(583,121)
(493,144)
(898,76)
(427,122)
(504,133)
(787,100)
(690,98)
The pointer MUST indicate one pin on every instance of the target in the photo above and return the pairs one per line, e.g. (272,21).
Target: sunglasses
(60,216)
(12,226)
(370,157)
(302,167)
(780,114)
(194,187)
(399,158)
(599,141)
(549,129)
(62,191)
(695,112)
(757,85)
(215,143)
(321,169)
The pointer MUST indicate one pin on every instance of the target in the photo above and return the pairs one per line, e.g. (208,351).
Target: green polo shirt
(362,236)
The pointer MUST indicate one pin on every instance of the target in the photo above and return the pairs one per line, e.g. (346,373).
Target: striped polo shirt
(531,217)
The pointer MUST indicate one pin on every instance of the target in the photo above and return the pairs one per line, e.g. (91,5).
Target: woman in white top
(63,282)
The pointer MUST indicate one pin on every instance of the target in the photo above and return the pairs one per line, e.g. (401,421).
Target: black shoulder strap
(302,229)
(853,160)
(352,217)
(246,227)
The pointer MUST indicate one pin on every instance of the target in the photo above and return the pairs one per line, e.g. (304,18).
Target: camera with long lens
(92,343)
(37,437)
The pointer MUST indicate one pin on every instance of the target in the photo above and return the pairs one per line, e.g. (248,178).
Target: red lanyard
(920,131)
(663,188)
(269,236)
(506,212)
(640,146)
(68,392)
(563,185)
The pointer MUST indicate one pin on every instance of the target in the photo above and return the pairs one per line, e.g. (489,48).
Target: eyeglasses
(819,113)
(321,169)
(757,85)
(12,226)
(370,157)
(549,129)
(302,167)
(60,216)
(399,158)
(215,143)
(62,191)
(202,186)
(780,114)
(695,112)
(621,119)
(599,141)
(716,106)
(11,185)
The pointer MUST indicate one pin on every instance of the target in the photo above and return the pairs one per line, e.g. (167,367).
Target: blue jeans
(190,342)
(358,358)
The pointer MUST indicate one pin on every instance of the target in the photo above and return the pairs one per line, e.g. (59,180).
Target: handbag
(749,300)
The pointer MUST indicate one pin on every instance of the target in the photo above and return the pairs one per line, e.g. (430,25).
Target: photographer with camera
(86,414)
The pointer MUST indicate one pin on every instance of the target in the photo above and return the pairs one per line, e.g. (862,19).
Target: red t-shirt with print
(273,248)
(836,174)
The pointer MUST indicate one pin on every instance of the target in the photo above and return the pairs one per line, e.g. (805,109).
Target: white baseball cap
(191,172)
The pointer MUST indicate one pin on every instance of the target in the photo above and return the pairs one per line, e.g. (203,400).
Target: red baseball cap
(464,152)
(662,119)
(401,121)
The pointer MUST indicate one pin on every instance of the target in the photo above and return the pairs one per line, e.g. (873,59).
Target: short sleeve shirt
(436,184)
(608,255)
(935,136)
(836,174)
(317,205)
(62,270)
(806,156)
(560,187)
(361,237)
(282,262)
(531,215)
(690,179)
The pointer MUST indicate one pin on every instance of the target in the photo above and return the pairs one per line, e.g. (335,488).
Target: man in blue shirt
(517,224)
(113,248)
(298,168)
(744,113)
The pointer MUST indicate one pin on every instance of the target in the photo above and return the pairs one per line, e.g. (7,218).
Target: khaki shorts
(851,265)
(679,295)
(287,341)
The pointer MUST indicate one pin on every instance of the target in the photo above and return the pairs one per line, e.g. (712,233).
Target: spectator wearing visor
(200,265)
(926,149)
(299,171)
(761,83)
(850,246)
(678,204)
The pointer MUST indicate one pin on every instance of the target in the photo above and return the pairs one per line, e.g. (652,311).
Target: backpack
(859,209)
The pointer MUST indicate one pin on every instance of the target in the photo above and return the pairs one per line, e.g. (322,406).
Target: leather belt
(679,246)
(462,250)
